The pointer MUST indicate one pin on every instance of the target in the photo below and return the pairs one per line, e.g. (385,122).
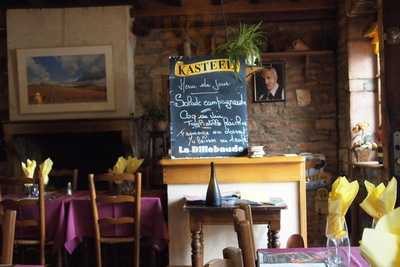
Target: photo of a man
(269,83)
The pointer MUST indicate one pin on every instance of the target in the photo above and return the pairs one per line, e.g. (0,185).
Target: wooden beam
(195,7)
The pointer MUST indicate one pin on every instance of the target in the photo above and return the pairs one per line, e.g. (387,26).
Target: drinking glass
(28,189)
(31,190)
(338,248)
(35,190)
(374,222)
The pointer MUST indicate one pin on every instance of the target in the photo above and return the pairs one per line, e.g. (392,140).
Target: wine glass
(338,246)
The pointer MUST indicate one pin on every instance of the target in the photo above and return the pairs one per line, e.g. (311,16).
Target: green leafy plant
(245,42)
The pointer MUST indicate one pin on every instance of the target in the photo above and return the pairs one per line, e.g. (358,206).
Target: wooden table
(201,215)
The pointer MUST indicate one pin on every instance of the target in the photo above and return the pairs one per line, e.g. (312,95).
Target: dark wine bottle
(213,197)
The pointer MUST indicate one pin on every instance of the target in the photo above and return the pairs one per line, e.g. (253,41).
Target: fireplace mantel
(126,127)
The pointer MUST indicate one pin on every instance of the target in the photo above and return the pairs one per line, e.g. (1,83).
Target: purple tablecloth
(69,219)
(356,259)
(80,220)
(55,218)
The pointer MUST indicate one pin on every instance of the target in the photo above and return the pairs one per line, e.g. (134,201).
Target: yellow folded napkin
(120,166)
(381,246)
(132,164)
(45,169)
(380,199)
(339,201)
(29,168)
(390,222)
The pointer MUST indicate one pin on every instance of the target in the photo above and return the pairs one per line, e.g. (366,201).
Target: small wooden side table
(201,215)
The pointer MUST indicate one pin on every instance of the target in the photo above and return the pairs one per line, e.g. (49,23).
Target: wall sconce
(392,35)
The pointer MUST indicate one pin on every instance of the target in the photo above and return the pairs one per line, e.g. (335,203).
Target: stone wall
(284,127)
(343,91)
(62,27)
(306,122)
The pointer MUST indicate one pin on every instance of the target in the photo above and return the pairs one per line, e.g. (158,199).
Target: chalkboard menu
(208,107)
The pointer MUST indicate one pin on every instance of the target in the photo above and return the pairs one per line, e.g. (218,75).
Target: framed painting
(269,82)
(66,79)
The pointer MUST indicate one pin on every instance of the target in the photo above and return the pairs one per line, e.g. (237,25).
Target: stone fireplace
(88,145)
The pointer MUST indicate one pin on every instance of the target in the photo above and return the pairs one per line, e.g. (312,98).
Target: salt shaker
(69,189)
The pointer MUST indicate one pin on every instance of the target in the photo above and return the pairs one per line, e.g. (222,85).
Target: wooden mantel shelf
(68,126)
(265,169)
(297,53)
(306,54)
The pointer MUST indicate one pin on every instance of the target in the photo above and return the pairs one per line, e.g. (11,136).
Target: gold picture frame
(65,79)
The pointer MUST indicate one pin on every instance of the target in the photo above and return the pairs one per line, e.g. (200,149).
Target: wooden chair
(133,199)
(27,224)
(295,241)
(245,237)
(70,174)
(232,258)
(249,217)
(8,234)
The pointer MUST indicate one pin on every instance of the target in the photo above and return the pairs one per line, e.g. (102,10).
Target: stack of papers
(293,265)
(256,151)
(291,259)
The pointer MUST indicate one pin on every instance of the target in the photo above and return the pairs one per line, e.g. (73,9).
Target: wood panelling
(265,169)
(281,169)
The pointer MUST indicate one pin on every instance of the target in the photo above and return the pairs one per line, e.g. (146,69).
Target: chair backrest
(249,217)
(22,203)
(70,175)
(133,197)
(244,233)
(232,258)
(8,234)
(295,241)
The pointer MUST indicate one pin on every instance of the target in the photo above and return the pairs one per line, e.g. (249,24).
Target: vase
(213,197)
(363,155)
(338,247)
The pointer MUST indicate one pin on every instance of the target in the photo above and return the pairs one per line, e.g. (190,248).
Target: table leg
(197,244)
(273,235)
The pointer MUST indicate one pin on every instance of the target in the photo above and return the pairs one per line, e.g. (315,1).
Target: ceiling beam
(196,7)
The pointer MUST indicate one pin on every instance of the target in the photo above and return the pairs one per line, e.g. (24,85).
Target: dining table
(80,225)
(69,219)
(356,260)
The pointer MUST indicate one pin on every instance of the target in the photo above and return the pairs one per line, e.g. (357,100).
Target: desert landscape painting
(65,79)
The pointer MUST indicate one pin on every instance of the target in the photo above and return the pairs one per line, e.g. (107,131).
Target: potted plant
(157,117)
(245,42)
(362,142)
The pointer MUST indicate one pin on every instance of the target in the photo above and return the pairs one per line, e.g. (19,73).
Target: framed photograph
(269,82)
(67,79)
